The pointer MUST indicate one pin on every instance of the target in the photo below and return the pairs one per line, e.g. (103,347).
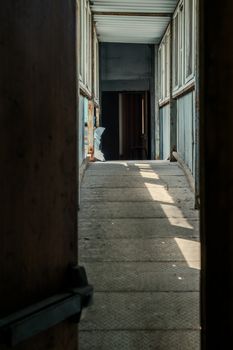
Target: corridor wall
(177,66)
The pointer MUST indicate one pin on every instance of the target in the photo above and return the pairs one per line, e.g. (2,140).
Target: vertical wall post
(153,92)
(197,108)
(173,103)
(157,123)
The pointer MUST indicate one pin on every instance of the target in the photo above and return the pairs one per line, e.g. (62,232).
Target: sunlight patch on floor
(149,175)
(173,214)
(172,211)
(180,223)
(145,166)
(191,252)
(160,195)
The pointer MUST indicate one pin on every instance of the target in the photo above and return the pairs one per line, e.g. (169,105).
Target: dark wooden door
(110,121)
(38,156)
(134,126)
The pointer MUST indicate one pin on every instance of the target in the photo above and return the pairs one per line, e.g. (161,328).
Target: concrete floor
(138,239)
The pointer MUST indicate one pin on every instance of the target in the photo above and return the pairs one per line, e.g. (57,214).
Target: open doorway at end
(126,117)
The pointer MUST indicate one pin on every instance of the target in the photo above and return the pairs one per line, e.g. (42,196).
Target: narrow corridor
(112,81)
(138,236)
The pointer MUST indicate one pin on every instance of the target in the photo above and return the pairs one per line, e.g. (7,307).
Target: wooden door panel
(135,138)
(38,157)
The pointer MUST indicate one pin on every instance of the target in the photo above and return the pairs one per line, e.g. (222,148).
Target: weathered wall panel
(165,132)
(83,128)
(185,129)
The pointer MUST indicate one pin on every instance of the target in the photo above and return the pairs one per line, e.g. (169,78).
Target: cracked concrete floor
(139,242)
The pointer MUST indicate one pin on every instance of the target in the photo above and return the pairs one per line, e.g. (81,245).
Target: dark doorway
(133,128)
(110,121)
(126,119)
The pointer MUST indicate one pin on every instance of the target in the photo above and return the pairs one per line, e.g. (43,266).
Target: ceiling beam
(136,14)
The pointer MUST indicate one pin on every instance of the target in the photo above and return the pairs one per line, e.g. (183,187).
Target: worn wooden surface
(38,157)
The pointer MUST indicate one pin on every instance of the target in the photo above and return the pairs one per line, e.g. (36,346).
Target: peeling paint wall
(186,129)
(83,128)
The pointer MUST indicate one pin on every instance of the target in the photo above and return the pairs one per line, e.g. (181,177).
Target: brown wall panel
(38,156)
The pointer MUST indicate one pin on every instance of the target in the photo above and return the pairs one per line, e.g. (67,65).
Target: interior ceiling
(132,21)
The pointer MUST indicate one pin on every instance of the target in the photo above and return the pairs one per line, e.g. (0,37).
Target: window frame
(168,63)
(81,28)
(179,45)
(85,46)
(182,16)
(95,65)
(187,30)
(164,67)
